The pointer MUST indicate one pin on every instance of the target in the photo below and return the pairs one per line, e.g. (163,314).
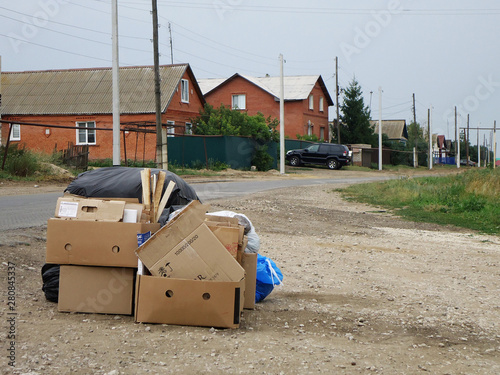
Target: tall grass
(470,199)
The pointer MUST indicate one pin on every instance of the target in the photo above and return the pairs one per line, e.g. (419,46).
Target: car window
(313,148)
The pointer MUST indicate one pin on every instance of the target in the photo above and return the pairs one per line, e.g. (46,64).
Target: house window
(309,128)
(239,101)
(85,136)
(311,102)
(189,128)
(184,90)
(170,128)
(321,105)
(15,134)
(322,132)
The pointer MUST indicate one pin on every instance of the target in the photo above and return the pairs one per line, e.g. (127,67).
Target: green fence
(294,144)
(237,152)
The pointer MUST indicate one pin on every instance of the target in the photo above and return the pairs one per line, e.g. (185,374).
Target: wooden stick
(163,203)
(159,189)
(146,187)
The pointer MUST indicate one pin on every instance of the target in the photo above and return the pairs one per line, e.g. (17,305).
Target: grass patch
(469,200)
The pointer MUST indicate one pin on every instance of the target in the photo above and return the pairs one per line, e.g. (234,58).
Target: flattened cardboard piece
(73,208)
(200,256)
(249,264)
(94,243)
(106,290)
(188,302)
(228,236)
(178,228)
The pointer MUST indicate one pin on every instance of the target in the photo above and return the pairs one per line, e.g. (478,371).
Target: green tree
(415,131)
(355,118)
(225,121)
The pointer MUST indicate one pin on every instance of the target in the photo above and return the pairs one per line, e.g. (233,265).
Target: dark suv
(334,156)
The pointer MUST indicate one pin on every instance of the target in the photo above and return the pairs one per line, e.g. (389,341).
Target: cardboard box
(94,243)
(102,290)
(230,234)
(76,208)
(186,248)
(249,264)
(188,302)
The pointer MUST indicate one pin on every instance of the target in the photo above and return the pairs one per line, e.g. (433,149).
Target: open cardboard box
(107,290)
(194,279)
(77,235)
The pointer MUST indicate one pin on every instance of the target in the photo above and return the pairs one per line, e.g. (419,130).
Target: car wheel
(332,164)
(294,161)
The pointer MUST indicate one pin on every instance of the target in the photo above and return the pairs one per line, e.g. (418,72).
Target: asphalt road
(24,211)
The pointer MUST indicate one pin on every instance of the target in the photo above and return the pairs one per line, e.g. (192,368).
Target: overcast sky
(446,52)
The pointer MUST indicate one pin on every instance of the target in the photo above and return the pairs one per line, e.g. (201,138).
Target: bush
(261,159)
(20,162)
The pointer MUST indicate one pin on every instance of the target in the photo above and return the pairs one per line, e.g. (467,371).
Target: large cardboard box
(186,248)
(188,302)
(249,264)
(105,290)
(94,243)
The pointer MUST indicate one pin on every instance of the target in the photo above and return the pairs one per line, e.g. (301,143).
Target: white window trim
(184,91)
(321,104)
(170,128)
(86,133)
(189,128)
(240,97)
(12,136)
(311,102)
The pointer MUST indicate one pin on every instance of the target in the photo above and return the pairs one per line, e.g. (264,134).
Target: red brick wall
(138,145)
(297,113)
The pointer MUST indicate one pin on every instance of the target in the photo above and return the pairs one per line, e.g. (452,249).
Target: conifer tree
(355,118)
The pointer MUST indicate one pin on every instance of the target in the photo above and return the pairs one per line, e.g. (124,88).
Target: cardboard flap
(74,208)
(178,228)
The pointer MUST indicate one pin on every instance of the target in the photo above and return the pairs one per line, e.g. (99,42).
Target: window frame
(170,128)
(188,128)
(13,138)
(237,107)
(87,131)
(311,102)
(321,104)
(184,90)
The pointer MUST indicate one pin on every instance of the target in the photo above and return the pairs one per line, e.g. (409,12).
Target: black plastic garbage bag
(125,182)
(50,278)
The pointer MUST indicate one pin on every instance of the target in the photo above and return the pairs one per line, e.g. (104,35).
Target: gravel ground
(364,292)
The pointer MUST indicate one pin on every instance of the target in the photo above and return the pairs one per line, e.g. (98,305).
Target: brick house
(78,98)
(306,100)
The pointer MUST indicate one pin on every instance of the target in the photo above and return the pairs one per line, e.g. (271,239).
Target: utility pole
(380,128)
(116,86)
(430,136)
(337,94)
(457,145)
(467,141)
(415,121)
(478,149)
(171,44)
(494,144)
(160,162)
(282,118)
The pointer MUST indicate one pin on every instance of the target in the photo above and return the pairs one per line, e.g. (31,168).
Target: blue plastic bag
(268,275)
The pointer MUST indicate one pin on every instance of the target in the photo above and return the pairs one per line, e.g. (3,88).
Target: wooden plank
(163,203)
(146,187)
(159,190)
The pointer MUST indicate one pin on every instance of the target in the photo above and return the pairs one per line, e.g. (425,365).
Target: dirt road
(364,292)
